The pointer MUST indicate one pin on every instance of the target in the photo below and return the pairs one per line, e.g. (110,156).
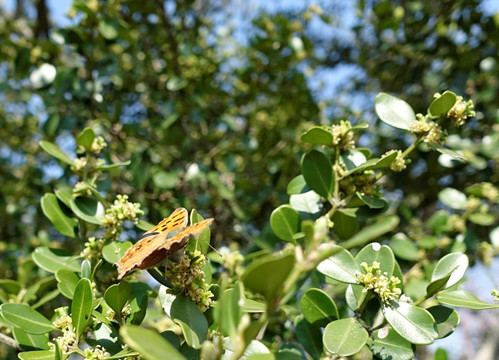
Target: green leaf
(465,299)
(202,242)
(82,305)
(149,344)
(371,232)
(404,248)
(285,222)
(340,267)
(228,311)
(117,295)
(345,223)
(447,319)
(441,105)
(54,150)
(453,198)
(256,277)
(318,135)
(115,250)
(482,219)
(308,204)
(309,337)
(165,180)
(113,166)
(38,355)
(387,344)
(86,138)
(413,323)
(88,209)
(10,286)
(66,282)
(52,260)
(30,341)
(108,29)
(344,337)
(24,317)
(297,186)
(318,173)
(453,154)
(453,263)
(318,308)
(372,203)
(393,111)
(63,223)
(191,320)
(380,253)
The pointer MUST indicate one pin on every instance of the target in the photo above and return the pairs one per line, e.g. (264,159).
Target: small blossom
(485,253)
(97,353)
(460,111)
(93,249)
(79,164)
(457,223)
(472,203)
(398,164)
(120,211)
(385,288)
(342,135)
(495,294)
(80,188)
(98,144)
(68,341)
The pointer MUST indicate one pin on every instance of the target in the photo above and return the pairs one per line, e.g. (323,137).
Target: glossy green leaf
(115,250)
(117,295)
(404,248)
(191,320)
(465,299)
(88,209)
(285,222)
(54,150)
(228,311)
(28,341)
(66,282)
(447,319)
(453,198)
(318,308)
(37,355)
(309,204)
(252,306)
(340,267)
(256,277)
(393,111)
(24,317)
(371,202)
(318,135)
(149,344)
(371,232)
(441,105)
(345,223)
(482,219)
(387,344)
(380,253)
(413,323)
(82,305)
(344,337)
(297,186)
(309,337)
(455,264)
(52,260)
(318,173)
(86,138)
(52,210)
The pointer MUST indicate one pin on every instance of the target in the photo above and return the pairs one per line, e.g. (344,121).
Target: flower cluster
(98,144)
(343,136)
(485,253)
(461,110)
(68,341)
(386,288)
(495,294)
(120,211)
(429,131)
(79,164)
(93,249)
(187,276)
(97,353)
(398,164)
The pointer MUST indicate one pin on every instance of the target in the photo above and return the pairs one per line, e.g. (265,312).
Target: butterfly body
(159,242)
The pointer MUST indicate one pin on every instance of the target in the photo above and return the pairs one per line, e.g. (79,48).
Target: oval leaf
(52,210)
(465,299)
(455,264)
(24,317)
(52,260)
(318,173)
(340,267)
(191,320)
(117,295)
(88,209)
(441,105)
(344,337)
(285,222)
(393,111)
(54,150)
(318,308)
(318,135)
(82,305)
(149,344)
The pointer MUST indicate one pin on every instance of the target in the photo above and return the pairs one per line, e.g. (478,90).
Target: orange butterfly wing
(154,245)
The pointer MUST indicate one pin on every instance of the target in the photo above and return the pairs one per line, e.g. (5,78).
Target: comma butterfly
(159,242)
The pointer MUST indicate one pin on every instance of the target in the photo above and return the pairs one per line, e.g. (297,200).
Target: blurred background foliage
(207,99)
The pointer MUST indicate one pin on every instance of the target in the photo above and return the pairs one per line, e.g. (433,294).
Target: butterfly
(159,242)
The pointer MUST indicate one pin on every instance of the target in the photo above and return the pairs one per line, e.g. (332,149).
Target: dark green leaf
(309,337)
(318,135)
(285,222)
(441,105)
(117,295)
(86,138)
(191,320)
(318,308)
(82,305)
(88,209)
(318,173)
(63,223)
(447,319)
